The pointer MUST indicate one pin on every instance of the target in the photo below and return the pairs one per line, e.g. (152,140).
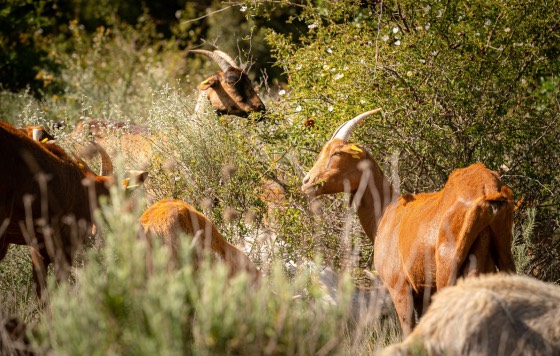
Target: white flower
(427,9)
(329,50)
(331,108)
(397,43)
(434,53)
(313,25)
(409,73)
(326,67)
(362,101)
(439,13)
(395,29)
(487,22)
(282,92)
(385,38)
(243,8)
(427,26)
(422,60)
(507,29)
(298,108)
(338,76)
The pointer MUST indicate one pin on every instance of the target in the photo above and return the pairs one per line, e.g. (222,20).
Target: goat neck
(372,196)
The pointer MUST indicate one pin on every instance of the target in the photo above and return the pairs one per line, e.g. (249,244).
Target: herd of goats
(423,243)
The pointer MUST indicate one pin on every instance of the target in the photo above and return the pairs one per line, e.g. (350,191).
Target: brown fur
(489,315)
(169,218)
(133,142)
(421,242)
(231,93)
(53,220)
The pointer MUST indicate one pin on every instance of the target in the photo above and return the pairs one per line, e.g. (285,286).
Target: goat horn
(37,135)
(106,164)
(227,58)
(343,132)
(221,61)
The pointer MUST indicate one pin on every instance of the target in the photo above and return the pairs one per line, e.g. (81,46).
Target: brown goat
(230,90)
(132,142)
(46,201)
(169,218)
(421,242)
(488,315)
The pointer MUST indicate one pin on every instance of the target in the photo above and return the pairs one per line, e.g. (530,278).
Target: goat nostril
(306,179)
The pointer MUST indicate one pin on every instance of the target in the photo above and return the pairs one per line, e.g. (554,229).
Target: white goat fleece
(494,314)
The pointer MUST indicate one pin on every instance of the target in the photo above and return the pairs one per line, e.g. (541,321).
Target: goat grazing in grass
(488,315)
(47,200)
(422,242)
(169,218)
(230,90)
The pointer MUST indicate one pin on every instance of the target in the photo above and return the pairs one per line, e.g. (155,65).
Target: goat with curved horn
(230,90)
(422,242)
(59,217)
(343,132)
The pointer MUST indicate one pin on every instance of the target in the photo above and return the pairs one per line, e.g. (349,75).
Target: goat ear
(354,150)
(207,83)
(134,180)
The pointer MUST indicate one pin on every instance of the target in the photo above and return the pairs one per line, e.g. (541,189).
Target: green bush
(458,83)
(116,306)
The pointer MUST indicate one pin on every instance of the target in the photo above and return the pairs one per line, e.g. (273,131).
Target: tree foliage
(459,82)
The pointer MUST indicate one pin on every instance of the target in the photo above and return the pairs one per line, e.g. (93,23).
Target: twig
(209,14)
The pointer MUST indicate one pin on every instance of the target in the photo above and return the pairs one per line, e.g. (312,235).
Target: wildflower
(397,43)
(282,92)
(395,29)
(338,76)
(298,108)
(385,38)
(243,8)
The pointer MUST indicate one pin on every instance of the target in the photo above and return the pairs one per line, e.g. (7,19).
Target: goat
(230,90)
(37,133)
(421,242)
(133,142)
(488,315)
(47,200)
(169,218)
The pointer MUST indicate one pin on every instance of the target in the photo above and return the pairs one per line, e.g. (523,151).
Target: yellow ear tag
(81,166)
(44,140)
(132,186)
(354,150)
(204,82)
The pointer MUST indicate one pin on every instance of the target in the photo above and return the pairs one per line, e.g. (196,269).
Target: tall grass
(116,306)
